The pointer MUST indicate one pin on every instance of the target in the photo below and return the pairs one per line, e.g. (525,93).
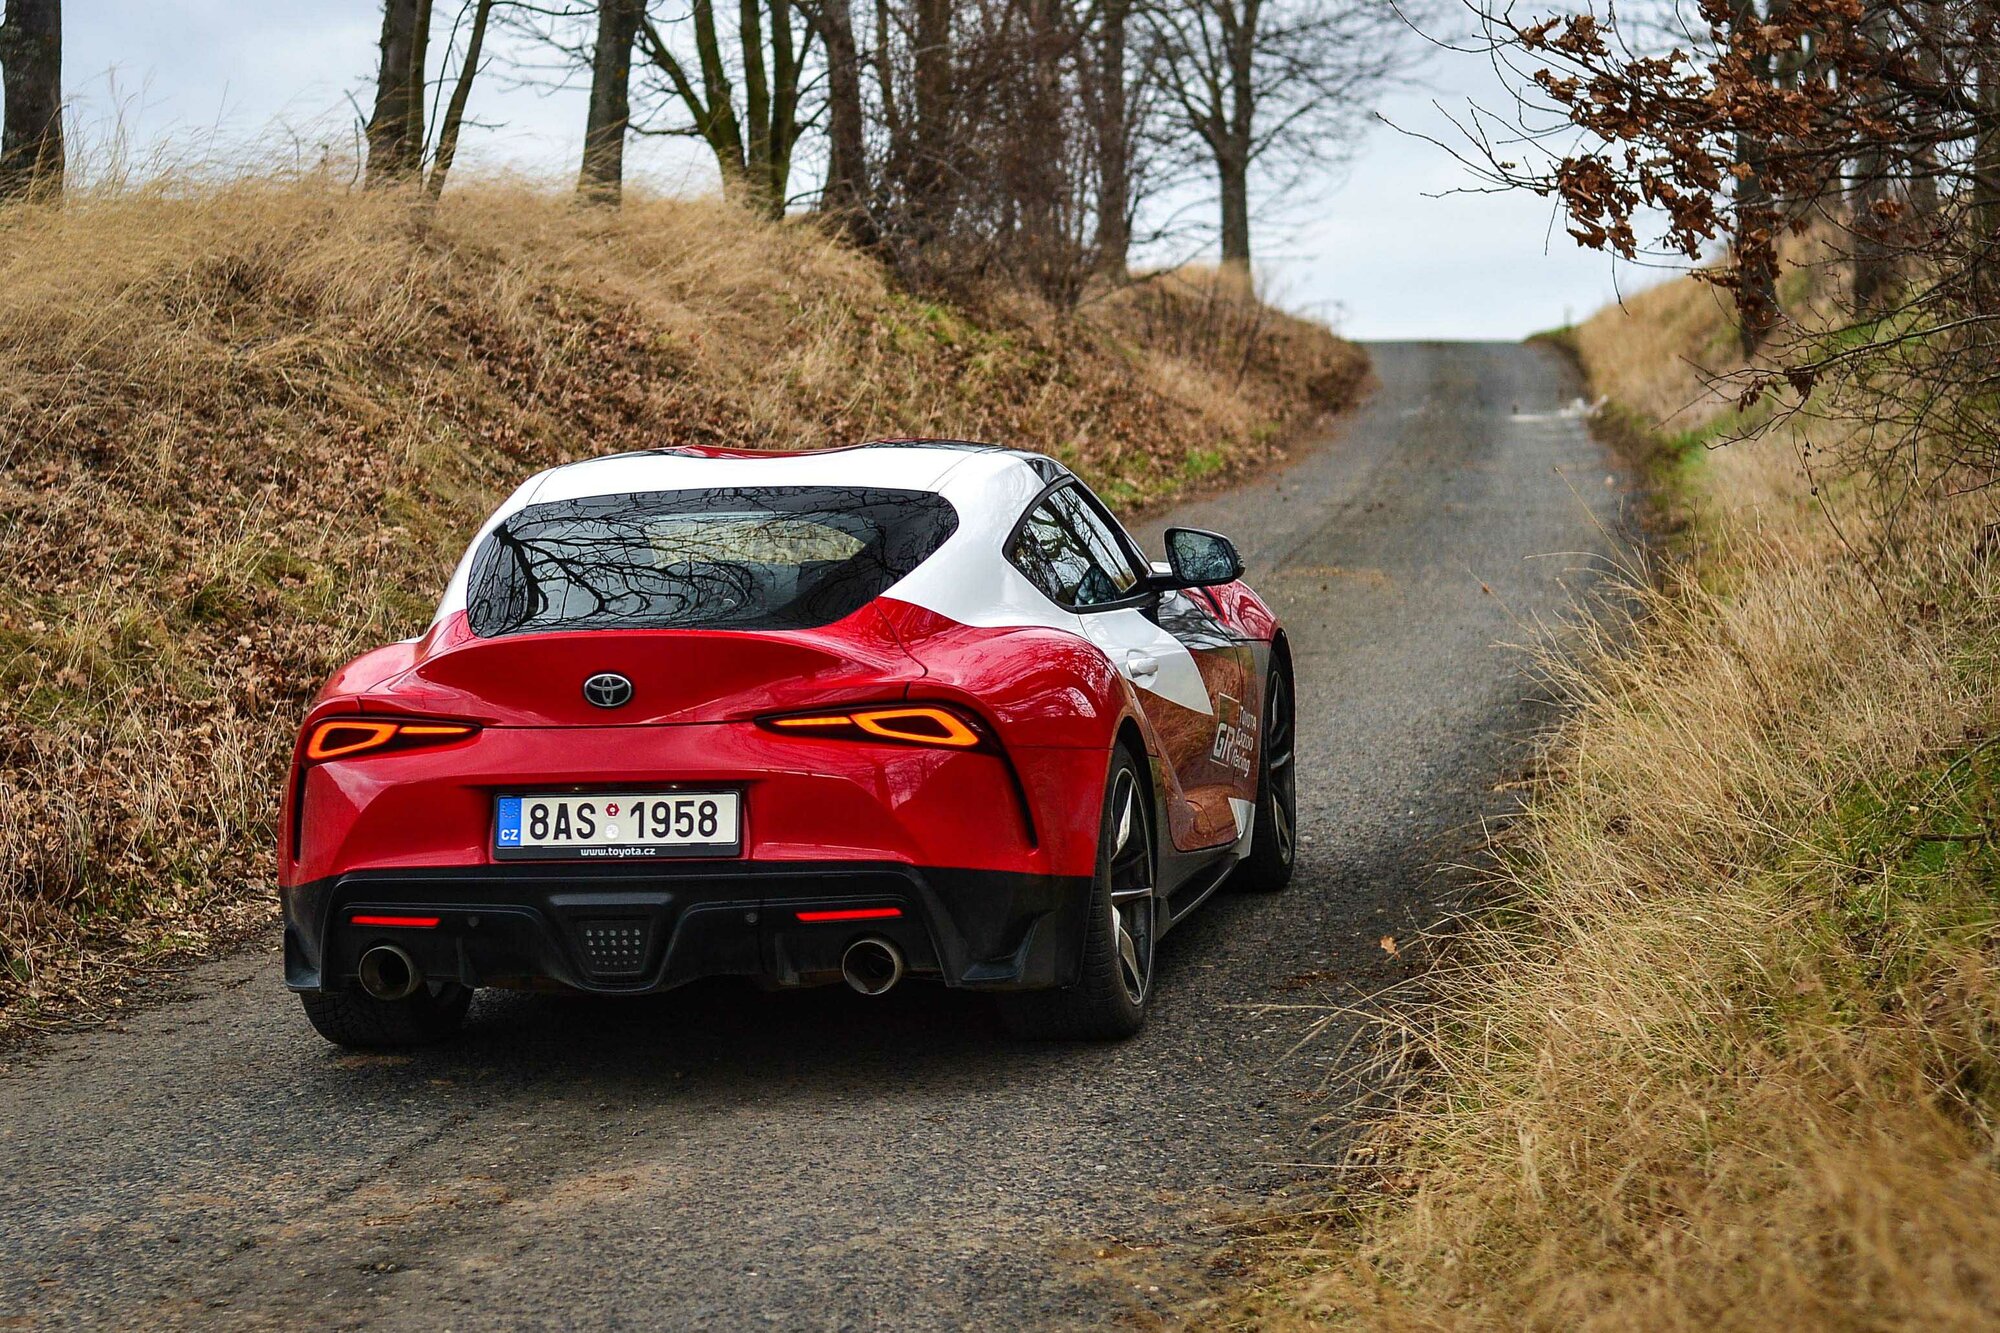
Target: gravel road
(723,1158)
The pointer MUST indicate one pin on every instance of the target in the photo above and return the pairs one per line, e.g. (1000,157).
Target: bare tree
(461,93)
(601,179)
(31,142)
(1276,84)
(766,47)
(983,154)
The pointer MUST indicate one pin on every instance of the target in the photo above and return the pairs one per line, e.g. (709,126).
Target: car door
(1070,549)
(1220,780)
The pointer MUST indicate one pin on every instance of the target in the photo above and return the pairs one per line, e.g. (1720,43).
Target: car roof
(916,464)
(987,484)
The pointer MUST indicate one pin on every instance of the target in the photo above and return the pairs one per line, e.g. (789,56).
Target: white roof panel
(987,485)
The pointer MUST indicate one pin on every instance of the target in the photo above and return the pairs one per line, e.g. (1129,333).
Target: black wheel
(1110,997)
(357,1019)
(1274,836)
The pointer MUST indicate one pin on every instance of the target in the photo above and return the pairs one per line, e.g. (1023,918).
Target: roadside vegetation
(246,428)
(1727,1052)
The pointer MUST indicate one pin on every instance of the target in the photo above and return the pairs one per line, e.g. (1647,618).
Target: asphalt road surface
(719,1157)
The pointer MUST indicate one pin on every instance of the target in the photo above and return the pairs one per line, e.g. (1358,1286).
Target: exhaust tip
(872,965)
(388,973)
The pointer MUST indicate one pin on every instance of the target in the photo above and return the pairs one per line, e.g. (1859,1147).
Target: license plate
(635,824)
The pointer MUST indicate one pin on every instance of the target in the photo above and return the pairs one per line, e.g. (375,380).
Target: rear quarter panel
(1055,703)
(1242,611)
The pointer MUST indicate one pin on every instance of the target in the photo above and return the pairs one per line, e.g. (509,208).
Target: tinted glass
(1066,550)
(1201,557)
(785,557)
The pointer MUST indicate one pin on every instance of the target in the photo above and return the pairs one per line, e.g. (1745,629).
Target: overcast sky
(1383,248)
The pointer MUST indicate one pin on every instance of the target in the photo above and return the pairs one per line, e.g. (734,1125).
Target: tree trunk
(930,114)
(413,127)
(756,108)
(602,176)
(1114,143)
(1233,161)
(388,127)
(1872,209)
(31,140)
(787,65)
(461,92)
(1756,227)
(1924,164)
(723,132)
(1985,213)
(845,198)
(1233,175)
(1873,262)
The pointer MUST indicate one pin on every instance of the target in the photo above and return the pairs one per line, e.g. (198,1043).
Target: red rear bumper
(624,929)
(986,855)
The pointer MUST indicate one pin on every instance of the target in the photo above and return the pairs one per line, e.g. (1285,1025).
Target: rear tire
(1111,996)
(1274,837)
(357,1020)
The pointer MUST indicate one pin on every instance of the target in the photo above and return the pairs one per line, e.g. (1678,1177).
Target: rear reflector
(415,922)
(852,914)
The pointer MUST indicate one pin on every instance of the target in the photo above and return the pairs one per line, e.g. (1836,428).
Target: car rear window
(775,557)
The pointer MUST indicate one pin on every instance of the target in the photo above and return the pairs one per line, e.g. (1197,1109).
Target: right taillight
(901,724)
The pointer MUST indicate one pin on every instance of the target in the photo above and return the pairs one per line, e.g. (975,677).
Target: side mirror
(1201,559)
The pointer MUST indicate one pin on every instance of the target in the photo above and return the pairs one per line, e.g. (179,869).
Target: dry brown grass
(1730,1056)
(244,429)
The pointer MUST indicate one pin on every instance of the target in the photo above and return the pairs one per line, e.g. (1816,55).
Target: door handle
(1141,667)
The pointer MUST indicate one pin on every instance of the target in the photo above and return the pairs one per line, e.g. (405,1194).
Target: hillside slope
(247,428)
(1729,1054)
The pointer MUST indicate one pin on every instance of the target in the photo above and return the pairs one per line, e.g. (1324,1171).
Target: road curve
(724,1158)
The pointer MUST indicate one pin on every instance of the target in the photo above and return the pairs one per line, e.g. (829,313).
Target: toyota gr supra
(911,709)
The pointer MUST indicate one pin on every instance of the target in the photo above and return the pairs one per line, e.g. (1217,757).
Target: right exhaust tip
(388,973)
(872,965)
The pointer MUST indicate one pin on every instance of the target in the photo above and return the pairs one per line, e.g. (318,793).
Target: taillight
(344,737)
(913,724)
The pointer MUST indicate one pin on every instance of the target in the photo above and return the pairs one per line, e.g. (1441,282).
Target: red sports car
(915,708)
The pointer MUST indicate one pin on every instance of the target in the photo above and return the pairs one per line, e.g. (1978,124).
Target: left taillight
(347,737)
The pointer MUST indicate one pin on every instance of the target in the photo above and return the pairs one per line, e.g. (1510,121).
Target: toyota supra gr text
(913,709)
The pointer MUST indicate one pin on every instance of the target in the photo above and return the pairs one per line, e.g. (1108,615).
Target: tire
(1274,836)
(1112,993)
(355,1019)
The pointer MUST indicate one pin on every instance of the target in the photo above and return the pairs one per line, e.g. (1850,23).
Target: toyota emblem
(608,689)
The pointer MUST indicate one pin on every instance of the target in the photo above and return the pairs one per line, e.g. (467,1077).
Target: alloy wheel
(1280,772)
(1132,898)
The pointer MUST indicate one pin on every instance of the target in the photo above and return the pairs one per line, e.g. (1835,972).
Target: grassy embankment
(1729,1057)
(244,431)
